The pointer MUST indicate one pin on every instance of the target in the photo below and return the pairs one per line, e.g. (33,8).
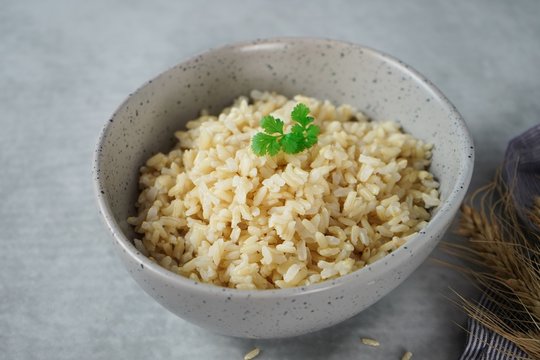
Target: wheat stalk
(503,258)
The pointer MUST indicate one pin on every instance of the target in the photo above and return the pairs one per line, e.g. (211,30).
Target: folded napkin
(484,344)
(521,174)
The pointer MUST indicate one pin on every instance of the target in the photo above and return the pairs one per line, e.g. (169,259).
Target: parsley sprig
(303,134)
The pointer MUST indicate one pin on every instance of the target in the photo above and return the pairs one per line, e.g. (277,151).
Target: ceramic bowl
(381,86)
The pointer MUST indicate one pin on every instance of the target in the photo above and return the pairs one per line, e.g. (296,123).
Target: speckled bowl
(381,86)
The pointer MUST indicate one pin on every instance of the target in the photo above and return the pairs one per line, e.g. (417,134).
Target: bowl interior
(380,86)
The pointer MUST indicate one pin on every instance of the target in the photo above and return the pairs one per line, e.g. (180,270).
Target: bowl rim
(444,214)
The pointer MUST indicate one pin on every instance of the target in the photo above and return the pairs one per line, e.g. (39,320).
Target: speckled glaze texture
(379,85)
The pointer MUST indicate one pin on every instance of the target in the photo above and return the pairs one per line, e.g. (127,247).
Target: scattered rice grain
(407,356)
(252,354)
(370,342)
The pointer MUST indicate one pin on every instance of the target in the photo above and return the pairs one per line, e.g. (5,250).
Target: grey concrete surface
(66,65)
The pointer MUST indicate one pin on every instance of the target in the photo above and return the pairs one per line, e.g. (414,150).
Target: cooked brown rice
(407,356)
(213,211)
(370,342)
(252,354)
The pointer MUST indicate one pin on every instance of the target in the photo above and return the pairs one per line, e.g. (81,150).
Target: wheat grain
(503,258)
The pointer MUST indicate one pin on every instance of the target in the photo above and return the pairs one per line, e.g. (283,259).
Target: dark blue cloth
(521,175)
(484,344)
(521,172)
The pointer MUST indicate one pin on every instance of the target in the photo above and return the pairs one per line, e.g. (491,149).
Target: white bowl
(379,85)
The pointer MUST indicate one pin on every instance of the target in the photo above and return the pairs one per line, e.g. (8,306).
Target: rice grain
(213,211)
(407,356)
(252,354)
(370,342)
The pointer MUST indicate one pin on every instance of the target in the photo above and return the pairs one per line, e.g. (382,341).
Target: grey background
(66,65)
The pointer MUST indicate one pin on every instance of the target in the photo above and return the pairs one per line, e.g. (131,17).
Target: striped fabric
(521,173)
(484,344)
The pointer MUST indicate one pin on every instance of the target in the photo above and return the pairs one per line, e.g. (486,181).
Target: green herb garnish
(303,134)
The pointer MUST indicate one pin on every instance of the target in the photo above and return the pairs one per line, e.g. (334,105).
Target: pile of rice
(213,211)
